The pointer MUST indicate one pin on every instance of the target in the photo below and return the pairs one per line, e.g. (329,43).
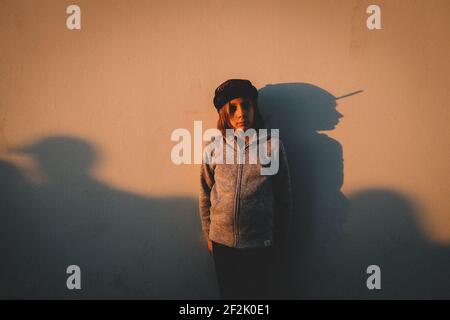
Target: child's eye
(245,105)
(232,108)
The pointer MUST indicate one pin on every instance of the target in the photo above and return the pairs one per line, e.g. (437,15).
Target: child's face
(241,113)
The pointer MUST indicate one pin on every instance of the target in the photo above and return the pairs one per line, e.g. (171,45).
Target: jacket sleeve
(283,199)
(206,184)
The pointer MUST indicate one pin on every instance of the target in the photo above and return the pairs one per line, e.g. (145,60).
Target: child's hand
(210,246)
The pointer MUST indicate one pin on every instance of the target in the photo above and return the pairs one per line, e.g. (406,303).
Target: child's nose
(240,112)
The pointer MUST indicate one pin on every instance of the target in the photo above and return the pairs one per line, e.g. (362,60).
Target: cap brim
(348,94)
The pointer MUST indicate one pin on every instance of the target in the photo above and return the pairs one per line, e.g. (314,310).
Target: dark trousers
(243,273)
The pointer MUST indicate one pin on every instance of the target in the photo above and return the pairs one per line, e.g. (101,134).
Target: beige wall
(140,69)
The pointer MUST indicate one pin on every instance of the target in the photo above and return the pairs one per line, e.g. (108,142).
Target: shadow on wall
(127,246)
(333,242)
(130,246)
(299,110)
(383,229)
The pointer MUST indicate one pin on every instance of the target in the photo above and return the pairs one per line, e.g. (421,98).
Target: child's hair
(224,118)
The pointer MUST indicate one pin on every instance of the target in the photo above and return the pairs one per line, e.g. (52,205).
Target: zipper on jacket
(237,197)
(237,204)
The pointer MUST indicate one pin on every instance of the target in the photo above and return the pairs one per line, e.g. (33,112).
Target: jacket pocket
(253,217)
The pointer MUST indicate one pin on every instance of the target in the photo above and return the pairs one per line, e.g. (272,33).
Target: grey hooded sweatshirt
(239,206)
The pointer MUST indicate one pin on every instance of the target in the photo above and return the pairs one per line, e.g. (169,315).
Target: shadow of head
(380,216)
(60,156)
(298,106)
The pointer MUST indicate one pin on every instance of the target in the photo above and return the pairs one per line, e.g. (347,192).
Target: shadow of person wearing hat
(300,111)
(127,245)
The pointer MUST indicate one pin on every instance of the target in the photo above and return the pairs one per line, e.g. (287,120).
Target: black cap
(234,88)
